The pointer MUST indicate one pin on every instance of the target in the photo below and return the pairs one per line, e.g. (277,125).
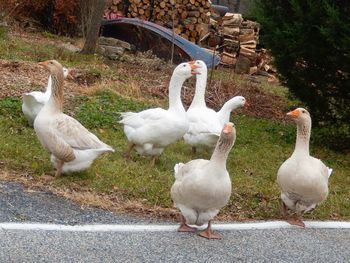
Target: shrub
(310,43)
(58,16)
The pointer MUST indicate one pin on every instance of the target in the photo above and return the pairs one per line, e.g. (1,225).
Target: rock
(109,41)
(70,47)
(113,52)
(100,50)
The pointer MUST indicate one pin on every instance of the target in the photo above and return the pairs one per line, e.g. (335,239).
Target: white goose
(35,100)
(302,178)
(72,146)
(205,123)
(203,187)
(150,131)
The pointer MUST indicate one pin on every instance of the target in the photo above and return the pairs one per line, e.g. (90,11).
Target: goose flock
(201,187)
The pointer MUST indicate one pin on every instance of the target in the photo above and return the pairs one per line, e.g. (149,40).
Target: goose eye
(303,111)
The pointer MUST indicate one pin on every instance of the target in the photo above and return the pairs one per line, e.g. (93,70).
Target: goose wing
(75,134)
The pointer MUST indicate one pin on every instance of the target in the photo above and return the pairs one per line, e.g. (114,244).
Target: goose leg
(153,160)
(283,209)
(194,150)
(128,150)
(208,233)
(59,168)
(184,227)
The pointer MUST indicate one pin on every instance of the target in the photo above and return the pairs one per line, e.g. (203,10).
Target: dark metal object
(145,35)
(222,10)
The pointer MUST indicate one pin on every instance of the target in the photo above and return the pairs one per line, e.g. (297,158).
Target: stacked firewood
(115,9)
(236,39)
(140,9)
(187,17)
(240,40)
(232,37)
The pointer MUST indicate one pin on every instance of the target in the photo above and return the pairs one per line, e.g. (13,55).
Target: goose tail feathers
(330,172)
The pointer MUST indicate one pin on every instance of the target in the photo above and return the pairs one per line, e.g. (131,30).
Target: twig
(212,66)
(173,36)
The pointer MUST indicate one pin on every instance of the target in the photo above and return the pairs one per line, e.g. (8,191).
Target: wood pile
(189,18)
(232,37)
(116,8)
(140,9)
(236,39)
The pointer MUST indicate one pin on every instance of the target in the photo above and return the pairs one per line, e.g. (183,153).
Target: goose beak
(294,114)
(228,128)
(246,104)
(43,63)
(70,75)
(193,67)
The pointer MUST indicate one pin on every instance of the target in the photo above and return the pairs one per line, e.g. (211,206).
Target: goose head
(53,66)
(227,138)
(241,101)
(67,74)
(300,116)
(186,69)
(202,67)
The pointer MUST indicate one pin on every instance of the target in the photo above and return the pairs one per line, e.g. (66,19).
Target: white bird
(203,187)
(32,102)
(302,178)
(150,131)
(205,123)
(72,147)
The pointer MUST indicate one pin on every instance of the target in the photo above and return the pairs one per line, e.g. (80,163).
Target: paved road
(277,245)
(19,205)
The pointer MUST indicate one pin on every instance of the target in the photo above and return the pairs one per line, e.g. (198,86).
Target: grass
(261,147)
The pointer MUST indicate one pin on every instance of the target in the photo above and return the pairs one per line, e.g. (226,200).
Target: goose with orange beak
(72,147)
(303,179)
(203,187)
(151,130)
(205,123)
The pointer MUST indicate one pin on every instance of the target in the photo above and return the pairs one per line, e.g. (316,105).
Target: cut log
(248,53)
(251,44)
(233,31)
(228,59)
(253,70)
(246,37)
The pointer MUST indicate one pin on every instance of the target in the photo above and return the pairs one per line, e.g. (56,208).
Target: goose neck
(225,111)
(49,87)
(303,139)
(219,158)
(199,95)
(56,98)
(222,150)
(175,86)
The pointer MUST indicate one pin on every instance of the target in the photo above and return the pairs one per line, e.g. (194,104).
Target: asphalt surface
(274,245)
(17,204)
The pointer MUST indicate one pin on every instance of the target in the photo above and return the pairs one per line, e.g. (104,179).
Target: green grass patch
(260,149)
(261,146)
(3,33)
(16,48)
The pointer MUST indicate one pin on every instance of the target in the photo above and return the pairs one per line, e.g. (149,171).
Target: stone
(109,41)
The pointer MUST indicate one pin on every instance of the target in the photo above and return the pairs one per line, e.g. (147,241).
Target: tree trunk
(92,34)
